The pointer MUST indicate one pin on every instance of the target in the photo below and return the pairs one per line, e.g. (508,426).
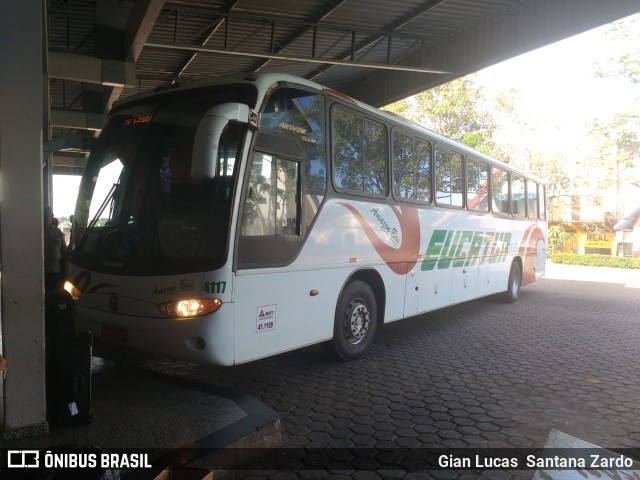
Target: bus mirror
(207,139)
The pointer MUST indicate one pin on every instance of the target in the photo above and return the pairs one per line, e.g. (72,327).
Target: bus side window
(301,115)
(532,200)
(500,190)
(360,153)
(411,168)
(449,178)
(518,199)
(270,232)
(271,204)
(477,185)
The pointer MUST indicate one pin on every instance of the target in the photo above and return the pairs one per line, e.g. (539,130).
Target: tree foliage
(495,124)
(620,139)
(627,64)
(556,238)
(457,110)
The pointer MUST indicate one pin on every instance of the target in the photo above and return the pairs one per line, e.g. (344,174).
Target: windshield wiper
(104,204)
(107,200)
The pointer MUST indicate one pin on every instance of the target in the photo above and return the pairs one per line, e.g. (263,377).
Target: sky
(559,93)
(65,191)
(558,98)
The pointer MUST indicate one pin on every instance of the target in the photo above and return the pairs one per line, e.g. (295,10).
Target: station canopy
(377,51)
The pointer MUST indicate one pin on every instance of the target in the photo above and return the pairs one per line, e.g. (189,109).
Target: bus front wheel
(514,283)
(355,322)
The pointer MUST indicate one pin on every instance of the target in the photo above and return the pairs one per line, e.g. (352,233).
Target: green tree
(551,167)
(627,64)
(457,110)
(619,138)
(618,154)
(556,238)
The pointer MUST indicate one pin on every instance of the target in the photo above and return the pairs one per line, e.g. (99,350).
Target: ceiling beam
(77,120)
(293,58)
(70,143)
(68,162)
(141,21)
(213,29)
(326,11)
(137,30)
(82,68)
(393,27)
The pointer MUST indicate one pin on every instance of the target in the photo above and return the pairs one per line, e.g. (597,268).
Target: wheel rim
(356,321)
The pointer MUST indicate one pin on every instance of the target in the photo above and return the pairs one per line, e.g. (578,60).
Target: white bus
(232,219)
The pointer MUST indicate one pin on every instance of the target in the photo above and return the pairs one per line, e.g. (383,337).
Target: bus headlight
(73,291)
(190,307)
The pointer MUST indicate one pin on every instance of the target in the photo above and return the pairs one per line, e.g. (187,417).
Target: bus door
(271,297)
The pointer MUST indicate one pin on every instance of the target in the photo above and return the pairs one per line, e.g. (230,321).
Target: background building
(594,195)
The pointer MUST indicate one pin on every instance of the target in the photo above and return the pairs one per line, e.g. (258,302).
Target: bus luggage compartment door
(412,293)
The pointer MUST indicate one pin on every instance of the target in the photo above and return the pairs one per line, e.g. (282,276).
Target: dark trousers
(53,282)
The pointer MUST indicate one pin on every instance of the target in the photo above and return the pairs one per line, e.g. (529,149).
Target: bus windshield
(140,212)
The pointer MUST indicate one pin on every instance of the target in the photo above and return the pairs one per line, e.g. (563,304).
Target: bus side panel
(467,256)
(435,289)
(397,293)
(339,240)
(464,283)
(275,310)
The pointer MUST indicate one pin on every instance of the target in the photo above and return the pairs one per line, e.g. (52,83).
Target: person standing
(55,252)
(56,224)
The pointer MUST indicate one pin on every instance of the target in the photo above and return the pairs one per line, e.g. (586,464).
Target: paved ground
(564,358)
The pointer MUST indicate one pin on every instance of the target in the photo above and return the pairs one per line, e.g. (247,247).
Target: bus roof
(264,82)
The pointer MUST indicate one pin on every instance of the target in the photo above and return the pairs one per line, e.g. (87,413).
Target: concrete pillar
(21,200)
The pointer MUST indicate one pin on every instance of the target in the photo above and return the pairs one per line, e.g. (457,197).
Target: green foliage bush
(595,260)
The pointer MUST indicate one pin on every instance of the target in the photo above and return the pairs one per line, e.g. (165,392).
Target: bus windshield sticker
(266,318)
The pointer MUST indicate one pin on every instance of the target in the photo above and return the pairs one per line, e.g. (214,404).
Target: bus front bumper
(207,340)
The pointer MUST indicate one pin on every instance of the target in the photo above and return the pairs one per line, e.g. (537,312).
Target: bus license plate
(114,333)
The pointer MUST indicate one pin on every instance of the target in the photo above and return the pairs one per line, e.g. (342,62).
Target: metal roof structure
(376,51)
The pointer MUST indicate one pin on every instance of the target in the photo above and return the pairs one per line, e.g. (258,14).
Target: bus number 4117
(214,287)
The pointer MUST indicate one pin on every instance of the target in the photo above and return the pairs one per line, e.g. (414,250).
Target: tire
(514,283)
(355,322)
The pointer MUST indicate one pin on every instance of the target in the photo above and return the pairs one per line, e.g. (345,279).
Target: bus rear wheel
(355,321)
(514,283)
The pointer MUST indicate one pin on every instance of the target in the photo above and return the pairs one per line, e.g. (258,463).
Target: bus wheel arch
(358,313)
(514,282)
(372,278)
